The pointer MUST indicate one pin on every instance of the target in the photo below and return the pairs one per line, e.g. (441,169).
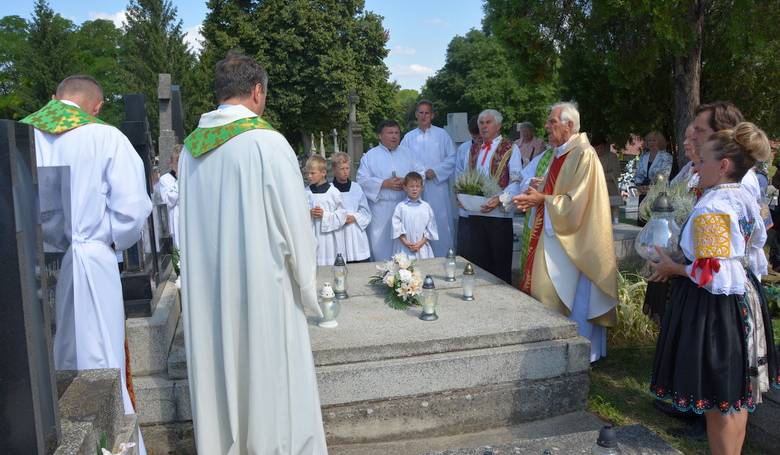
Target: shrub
(634,328)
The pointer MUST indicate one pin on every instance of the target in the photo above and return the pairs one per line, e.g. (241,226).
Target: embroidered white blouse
(725,225)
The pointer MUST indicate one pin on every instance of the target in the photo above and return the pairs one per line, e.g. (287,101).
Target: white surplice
(169,194)
(377,165)
(248,271)
(108,206)
(327,230)
(414,220)
(355,236)
(435,150)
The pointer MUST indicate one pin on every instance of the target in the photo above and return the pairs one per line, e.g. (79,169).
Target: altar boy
(326,210)
(414,224)
(358,213)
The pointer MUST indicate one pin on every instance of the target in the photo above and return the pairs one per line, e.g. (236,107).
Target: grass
(620,382)
(619,393)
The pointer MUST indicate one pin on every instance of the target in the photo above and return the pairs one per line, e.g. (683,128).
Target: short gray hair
(494,113)
(525,125)
(569,113)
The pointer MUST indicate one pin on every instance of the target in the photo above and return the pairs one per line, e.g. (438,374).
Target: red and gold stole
(538,224)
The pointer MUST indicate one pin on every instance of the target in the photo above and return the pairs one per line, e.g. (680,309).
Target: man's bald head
(82,90)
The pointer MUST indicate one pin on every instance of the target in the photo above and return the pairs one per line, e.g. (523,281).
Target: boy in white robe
(356,205)
(414,224)
(169,194)
(326,210)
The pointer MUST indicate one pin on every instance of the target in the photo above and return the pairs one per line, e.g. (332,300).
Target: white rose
(402,260)
(405,276)
(389,280)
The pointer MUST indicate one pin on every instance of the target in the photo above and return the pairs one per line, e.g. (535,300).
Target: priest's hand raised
(393,183)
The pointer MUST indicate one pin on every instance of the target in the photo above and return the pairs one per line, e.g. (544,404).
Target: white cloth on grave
(580,295)
(377,165)
(169,194)
(108,206)
(248,272)
(356,242)
(414,220)
(435,150)
(327,230)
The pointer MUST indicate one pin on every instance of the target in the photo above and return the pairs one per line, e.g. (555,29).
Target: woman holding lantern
(711,357)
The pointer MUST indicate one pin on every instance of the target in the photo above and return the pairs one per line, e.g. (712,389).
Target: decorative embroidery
(711,235)
(204,140)
(685,403)
(746,227)
(58,117)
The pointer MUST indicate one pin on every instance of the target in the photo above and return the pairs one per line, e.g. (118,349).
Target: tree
(477,75)
(13,46)
(98,52)
(315,51)
(154,43)
(50,54)
(655,59)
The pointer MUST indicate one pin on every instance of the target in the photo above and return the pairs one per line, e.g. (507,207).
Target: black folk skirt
(701,358)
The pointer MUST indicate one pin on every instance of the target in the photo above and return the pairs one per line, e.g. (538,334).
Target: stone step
(149,339)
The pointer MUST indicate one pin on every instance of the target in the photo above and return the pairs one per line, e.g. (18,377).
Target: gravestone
(29,422)
(168,139)
(458,127)
(354,134)
(177,114)
(142,266)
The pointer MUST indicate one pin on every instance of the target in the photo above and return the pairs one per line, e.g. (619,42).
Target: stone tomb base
(385,375)
(503,358)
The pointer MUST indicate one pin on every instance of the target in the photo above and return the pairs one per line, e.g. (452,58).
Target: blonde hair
(743,146)
(317,162)
(340,158)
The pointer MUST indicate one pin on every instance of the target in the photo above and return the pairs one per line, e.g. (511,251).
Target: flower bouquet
(403,282)
(474,188)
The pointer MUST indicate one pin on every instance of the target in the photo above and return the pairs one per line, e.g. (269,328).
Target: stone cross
(313,150)
(335,135)
(354,134)
(28,391)
(168,139)
(322,144)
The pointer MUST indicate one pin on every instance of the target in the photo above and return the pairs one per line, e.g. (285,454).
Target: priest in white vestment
(381,175)
(570,263)
(248,272)
(109,206)
(434,149)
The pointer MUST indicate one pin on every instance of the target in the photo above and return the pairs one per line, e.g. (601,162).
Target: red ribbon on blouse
(486,146)
(708,266)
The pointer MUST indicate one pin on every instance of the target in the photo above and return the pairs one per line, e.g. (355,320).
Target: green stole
(204,140)
(541,169)
(58,117)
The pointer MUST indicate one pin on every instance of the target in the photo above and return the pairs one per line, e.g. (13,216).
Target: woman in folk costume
(715,355)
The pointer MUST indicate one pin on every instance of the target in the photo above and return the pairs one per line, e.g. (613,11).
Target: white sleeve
(431,232)
(169,194)
(517,182)
(370,184)
(127,201)
(363,214)
(398,222)
(333,214)
(446,167)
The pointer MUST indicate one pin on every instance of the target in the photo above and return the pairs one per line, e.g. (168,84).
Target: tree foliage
(315,51)
(625,62)
(478,74)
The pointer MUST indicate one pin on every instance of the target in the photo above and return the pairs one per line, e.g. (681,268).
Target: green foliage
(102,444)
(13,47)
(315,51)
(474,182)
(634,327)
(153,43)
(478,74)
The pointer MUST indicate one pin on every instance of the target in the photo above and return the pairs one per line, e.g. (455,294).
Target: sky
(419,30)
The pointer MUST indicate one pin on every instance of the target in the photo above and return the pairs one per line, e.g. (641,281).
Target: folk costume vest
(499,162)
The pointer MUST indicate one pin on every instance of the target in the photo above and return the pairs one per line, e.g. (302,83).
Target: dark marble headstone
(28,399)
(141,269)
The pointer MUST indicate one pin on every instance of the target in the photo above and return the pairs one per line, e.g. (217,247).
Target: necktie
(486,146)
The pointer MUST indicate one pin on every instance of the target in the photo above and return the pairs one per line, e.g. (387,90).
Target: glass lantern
(340,277)
(429,300)
(449,266)
(468,282)
(330,307)
(660,231)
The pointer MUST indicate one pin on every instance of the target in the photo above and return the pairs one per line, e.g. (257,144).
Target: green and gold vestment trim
(58,117)
(204,140)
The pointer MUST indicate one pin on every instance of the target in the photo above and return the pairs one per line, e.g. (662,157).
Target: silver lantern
(429,300)
(449,266)
(660,231)
(468,282)
(330,307)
